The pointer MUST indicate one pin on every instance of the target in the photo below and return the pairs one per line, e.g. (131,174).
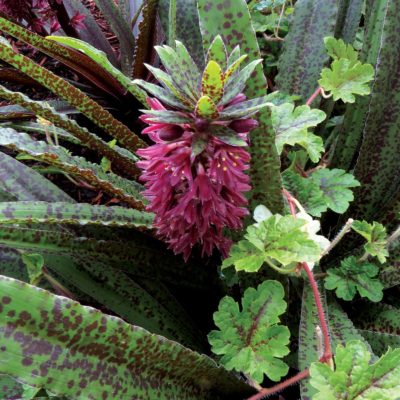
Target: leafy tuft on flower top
(194,174)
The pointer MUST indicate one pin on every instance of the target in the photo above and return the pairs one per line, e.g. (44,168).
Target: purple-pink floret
(194,197)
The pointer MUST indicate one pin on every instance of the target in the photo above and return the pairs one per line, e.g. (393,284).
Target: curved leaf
(54,335)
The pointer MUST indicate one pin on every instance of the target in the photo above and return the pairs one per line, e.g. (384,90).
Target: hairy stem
(346,228)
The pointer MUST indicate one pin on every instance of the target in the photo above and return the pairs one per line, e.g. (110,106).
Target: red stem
(280,386)
(313,96)
(327,356)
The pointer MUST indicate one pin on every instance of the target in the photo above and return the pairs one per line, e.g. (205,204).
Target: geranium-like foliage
(346,76)
(250,339)
(323,189)
(355,276)
(354,378)
(291,127)
(376,236)
(279,238)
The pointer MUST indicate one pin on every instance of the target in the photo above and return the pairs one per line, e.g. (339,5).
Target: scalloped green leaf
(70,331)
(355,276)
(376,237)
(354,378)
(337,49)
(346,78)
(252,340)
(291,127)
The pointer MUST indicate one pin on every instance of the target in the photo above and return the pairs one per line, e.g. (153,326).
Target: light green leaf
(34,263)
(282,239)
(353,276)
(217,52)
(291,127)
(345,79)
(206,108)
(252,340)
(337,49)
(376,236)
(354,378)
(212,83)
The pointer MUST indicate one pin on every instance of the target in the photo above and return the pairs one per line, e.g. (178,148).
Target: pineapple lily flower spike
(194,174)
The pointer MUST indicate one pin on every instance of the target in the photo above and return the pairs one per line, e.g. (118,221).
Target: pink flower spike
(77,21)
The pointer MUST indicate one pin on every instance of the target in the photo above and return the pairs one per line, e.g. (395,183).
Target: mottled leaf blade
(348,19)
(121,188)
(232,21)
(123,32)
(75,97)
(24,183)
(37,212)
(169,375)
(59,120)
(304,50)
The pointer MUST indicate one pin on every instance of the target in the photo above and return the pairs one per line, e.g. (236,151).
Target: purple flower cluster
(195,196)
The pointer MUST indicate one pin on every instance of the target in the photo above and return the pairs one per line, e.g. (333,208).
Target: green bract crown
(206,94)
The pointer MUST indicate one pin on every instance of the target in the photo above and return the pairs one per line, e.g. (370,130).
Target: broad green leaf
(304,54)
(69,333)
(122,31)
(376,236)
(323,189)
(213,81)
(37,212)
(121,188)
(278,238)
(231,20)
(291,127)
(206,108)
(10,388)
(337,49)
(100,58)
(23,183)
(252,340)
(355,276)
(345,79)
(348,20)
(75,97)
(354,378)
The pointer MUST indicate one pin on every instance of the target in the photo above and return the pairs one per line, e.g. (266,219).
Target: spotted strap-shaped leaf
(232,68)
(28,212)
(167,117)
(227,135)
(206,108)
(121,188)
(59,120)
(212,84)
(68,332)
(245,108)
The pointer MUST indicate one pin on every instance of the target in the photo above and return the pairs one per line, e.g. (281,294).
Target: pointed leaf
(167,117)
(217,52)
(227,135)
(232,68)
(245,108)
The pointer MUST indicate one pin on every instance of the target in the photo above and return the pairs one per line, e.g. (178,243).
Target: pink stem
(313,96)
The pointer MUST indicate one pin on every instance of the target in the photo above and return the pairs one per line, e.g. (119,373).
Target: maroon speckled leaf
(231,20)
(52,342)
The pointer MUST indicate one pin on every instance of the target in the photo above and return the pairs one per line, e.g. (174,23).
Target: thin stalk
(346,228)
(394,236)
(172,23)
(314,96)
(137,14)
(280,386)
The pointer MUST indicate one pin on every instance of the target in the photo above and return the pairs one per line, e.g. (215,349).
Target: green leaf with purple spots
(251,338)
(206,108)
(121,188)
(118,157)
(37,212)
(227,135)
(217,52)
(212,82)
(232,68)
(52,342)
(167,117)
(75,97)
(245,108)
(231,19)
